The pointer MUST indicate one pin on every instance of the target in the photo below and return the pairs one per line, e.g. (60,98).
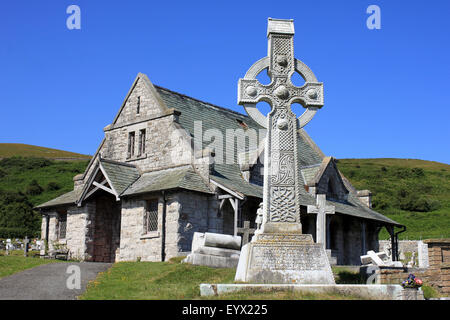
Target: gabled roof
(112,176)
(121,175)
(126,181)
(229,175)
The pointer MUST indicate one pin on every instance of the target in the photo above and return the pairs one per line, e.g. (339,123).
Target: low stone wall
(436,275)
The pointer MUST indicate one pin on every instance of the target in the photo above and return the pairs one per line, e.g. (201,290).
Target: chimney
(365,196)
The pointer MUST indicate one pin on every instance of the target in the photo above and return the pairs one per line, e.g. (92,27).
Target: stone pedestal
(287,258)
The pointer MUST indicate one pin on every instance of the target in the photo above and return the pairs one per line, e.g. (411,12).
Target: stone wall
(186,213)
(77,227)
(134,244)
(436,275)
(52,229)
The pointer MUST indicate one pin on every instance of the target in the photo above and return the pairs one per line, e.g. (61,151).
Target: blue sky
(387,91)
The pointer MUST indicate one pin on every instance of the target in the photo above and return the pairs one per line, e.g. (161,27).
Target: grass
(412,192)
(16,262)
(176,281)
(8,150)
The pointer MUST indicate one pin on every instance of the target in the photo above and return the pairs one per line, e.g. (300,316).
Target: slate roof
(67,198)
(229,175)
(181,177)
(128,182)
(121,175)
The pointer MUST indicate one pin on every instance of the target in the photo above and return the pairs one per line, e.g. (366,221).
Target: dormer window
(138,106)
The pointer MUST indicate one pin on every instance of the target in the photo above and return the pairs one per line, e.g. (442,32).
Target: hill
(413,192)
(8,150)
(27,182)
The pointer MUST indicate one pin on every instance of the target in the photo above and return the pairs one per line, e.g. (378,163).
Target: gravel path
(50,281)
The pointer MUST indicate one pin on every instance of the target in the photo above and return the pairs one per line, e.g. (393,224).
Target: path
(48,282)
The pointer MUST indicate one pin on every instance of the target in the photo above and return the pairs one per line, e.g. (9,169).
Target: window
(62,223)
(138,107)
(151,216)
(130,144)
(141,142)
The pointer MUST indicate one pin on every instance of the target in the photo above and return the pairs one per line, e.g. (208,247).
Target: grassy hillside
(8,150)
(27,182)
(413,192)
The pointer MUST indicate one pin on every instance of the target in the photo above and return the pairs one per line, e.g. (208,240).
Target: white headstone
(422,250)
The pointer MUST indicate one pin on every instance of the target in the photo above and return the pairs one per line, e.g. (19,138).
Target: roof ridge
(204,102)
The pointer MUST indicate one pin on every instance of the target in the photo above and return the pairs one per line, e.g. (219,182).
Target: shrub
(420,204)
(381,202)
(418,172)
(51,186)
(21,163)
(13,232)
(34,188)
(403,173)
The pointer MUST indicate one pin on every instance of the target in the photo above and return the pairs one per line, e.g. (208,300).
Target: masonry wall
(52,229)
(436,275)
(186,213)
(133,244)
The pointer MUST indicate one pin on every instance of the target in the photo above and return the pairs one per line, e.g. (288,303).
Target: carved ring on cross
(303,70)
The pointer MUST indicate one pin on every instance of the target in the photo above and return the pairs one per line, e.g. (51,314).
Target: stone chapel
(148,188)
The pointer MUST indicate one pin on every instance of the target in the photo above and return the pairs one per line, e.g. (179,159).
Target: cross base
(281,227)
(284,258)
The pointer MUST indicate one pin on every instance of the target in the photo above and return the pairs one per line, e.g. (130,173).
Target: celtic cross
(281,167)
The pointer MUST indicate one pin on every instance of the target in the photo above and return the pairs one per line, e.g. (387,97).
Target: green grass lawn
(16,262)
(176,281)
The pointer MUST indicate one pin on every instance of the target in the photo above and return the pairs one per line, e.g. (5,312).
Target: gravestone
(279,252)
(214,250)
(379,259)
(321,209)
(246,231)
(422,254)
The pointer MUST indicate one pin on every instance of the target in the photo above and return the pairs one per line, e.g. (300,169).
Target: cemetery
(280,221)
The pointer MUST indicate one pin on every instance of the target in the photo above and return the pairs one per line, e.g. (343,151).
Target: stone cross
(321,209)
(246,232)
(281,167)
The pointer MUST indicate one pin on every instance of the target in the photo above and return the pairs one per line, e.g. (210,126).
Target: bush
(403,173)
(381,202)
(418,172)
(21,163)
(3,173)
(53,186)
(420,204)
(34,188)
(13,233)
